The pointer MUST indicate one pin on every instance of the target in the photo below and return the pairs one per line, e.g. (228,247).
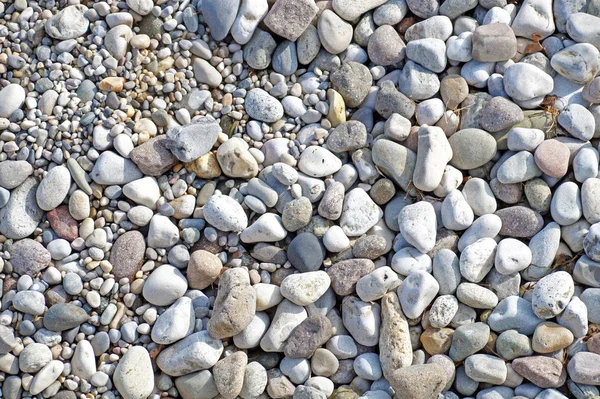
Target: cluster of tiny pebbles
(300,199)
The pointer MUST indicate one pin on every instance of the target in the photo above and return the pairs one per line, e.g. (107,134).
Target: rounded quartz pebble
(552,294)
(552,157)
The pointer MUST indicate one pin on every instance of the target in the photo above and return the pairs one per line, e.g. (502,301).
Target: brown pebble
(203,269)
(63,223)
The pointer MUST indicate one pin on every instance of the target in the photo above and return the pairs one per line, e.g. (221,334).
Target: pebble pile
(300,199)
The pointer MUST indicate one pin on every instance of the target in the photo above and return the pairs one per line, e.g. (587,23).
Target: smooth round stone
(525,82)
(574,317)
(512,256)
(305,288)
(566,207)
(471,148)
(386,46)
(334,32)
(550,337)
(195,352)
(456,213)
(317,161)
(579,63)
(430,111)
(249,15)
(477,73)
(578,121)
(359,213)
(442,311)
(362,319)
(348,136)
(520,222)
(324,362)
(305,252)
(416,292)
(335,240)
(418,225)
(117,40)
(519,168)
(219,16)
(308,45)
(353,81)
(590,200)
(111,169)
(459,48)
(524,139)
(285,60)
(479,196)
(419,381)
(14,96)
(552,294)
(477,259)
(64,316)
(409,259)
(68,23)
(21,215)
(581,26)
(538,195)
(585,164)
(552,157)
(446,271)
(486,368)
(260,48)
(267,228)
(468,339)
(374,285)
(261,106)
(417,82)
(164,286)
(505,316)
(133,375)
(510,345)
(583,368)
(225,213)
(432,156)
(34,357)
(367,366)
(499,114)
(429,53)
(476,296)
(204,72)
(29,302)
(389,101)
(390,13)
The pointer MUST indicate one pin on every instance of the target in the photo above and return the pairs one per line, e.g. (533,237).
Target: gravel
(300,199)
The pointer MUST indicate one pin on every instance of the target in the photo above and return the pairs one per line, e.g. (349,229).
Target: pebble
(416,292)
(353,81)
(471,148)
(21,215)
(335,34)
(195,352)
(552,294)
(263,107)
(220,16)
(279,21)
(305,288)
(583,69)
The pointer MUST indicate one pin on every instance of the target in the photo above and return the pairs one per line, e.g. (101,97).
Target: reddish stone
(63,223)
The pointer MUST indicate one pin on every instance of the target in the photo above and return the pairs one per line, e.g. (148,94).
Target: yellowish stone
(337,108)
(550,337)
(437,340)
(112,83)
(205,167)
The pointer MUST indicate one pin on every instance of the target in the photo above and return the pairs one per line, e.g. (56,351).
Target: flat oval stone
(261,106)
(64,316)
(545,372)
(127,254)
(520,222)
(552,294)
(471,148)
(29,257)
(310,335)
(21,215)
